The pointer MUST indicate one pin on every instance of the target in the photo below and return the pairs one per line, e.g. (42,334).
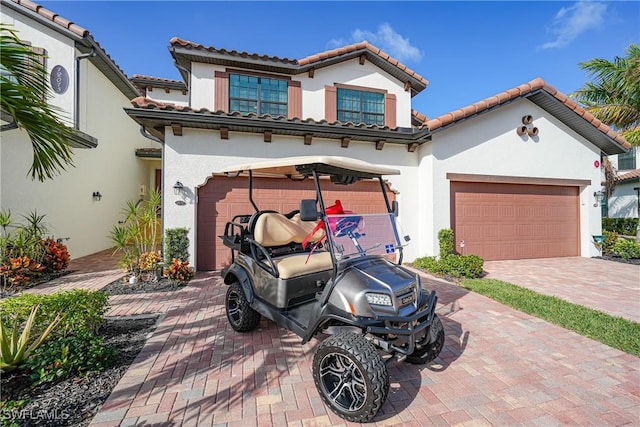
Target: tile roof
(629,175)
(360,46)
(522,91)
(142,80)
(155,116)
(152,104)
(192,45)
(314,61)
(53,17)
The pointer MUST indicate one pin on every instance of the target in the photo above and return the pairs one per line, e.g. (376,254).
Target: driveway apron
(608,286)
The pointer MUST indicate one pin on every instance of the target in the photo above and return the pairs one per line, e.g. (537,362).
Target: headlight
(379,299)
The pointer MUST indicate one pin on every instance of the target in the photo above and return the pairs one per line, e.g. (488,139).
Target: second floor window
(358,106)
(260,95)
(627,161)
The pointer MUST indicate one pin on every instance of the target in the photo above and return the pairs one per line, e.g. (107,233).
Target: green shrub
(625,226)
(627,249)
(610,239)
(69,356)
(457,266)
(82,309)
(176,245)
(445,238)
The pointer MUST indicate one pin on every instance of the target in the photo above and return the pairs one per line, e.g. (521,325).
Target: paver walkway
(608,286)
(499,367)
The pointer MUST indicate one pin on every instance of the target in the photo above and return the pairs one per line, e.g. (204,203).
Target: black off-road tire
(430,351)
(350,376)
(241,316)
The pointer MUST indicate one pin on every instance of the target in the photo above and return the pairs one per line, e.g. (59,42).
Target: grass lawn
(613,331)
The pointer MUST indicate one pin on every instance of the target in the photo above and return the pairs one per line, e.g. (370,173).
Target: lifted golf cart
(324,269)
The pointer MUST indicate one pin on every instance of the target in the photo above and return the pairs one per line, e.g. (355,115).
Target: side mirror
(308,211)
(395,207)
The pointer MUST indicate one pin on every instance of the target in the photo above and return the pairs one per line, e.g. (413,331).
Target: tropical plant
(179,271)
(56,256)
(15,349)
(614,95)
(139,232)
(24,96)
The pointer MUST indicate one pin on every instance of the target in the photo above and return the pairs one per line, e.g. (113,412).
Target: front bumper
(405,329)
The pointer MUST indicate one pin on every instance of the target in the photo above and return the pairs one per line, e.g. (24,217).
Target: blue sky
(467,50)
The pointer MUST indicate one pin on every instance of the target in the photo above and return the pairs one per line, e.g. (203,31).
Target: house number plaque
(59,79)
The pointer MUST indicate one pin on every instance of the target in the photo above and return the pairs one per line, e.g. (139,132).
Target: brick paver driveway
(608,286)
(499,367)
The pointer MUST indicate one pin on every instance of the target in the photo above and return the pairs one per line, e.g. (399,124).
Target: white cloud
(571,22)
(385,38)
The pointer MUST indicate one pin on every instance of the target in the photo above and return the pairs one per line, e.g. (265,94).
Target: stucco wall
(196,155)
(60,51)
(171,97)
(624,201)
(489,145)
(112,168)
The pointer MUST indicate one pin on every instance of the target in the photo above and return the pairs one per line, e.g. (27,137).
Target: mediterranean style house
(514,175)
(84,202)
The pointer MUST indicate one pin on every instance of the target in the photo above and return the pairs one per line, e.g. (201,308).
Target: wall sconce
(599,196)
(177,188)
(97,196)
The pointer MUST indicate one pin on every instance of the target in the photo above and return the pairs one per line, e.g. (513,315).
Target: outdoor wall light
(599,196)
(97,196)
(177,188)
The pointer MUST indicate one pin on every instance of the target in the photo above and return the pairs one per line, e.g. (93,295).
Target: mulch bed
(74,402)
(122,287)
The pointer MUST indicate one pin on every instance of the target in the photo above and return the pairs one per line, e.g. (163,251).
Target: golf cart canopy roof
(298,167)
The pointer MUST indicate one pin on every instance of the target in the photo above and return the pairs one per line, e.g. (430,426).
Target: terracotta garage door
(221,198)
(515,221)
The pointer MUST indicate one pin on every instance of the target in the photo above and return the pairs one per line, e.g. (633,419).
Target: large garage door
(515,221)
(221,198)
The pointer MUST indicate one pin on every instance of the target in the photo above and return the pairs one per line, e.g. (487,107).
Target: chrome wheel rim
(342,382)
(234,308)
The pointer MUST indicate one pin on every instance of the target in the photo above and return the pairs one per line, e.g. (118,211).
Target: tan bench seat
(297,265)
(274,229)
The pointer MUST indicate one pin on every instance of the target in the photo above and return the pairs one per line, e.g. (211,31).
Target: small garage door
(221,198)
(515,221)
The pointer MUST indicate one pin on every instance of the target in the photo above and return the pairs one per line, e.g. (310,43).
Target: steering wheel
(346,225)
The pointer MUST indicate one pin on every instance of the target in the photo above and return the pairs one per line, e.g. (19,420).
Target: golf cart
(326,270)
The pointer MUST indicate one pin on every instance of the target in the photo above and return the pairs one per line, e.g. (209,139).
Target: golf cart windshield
(355,234)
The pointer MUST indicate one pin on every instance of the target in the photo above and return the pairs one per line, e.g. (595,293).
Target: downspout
(143,132)
(77,106)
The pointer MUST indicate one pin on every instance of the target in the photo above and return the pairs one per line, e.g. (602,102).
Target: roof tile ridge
(53,17)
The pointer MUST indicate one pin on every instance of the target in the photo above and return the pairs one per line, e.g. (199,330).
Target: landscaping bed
(122,287)
(75,401)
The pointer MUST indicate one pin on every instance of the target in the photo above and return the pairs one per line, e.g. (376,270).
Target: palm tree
(24,102)
(614,95)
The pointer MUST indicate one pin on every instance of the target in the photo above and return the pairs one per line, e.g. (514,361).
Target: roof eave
(575,122)
(156,120)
